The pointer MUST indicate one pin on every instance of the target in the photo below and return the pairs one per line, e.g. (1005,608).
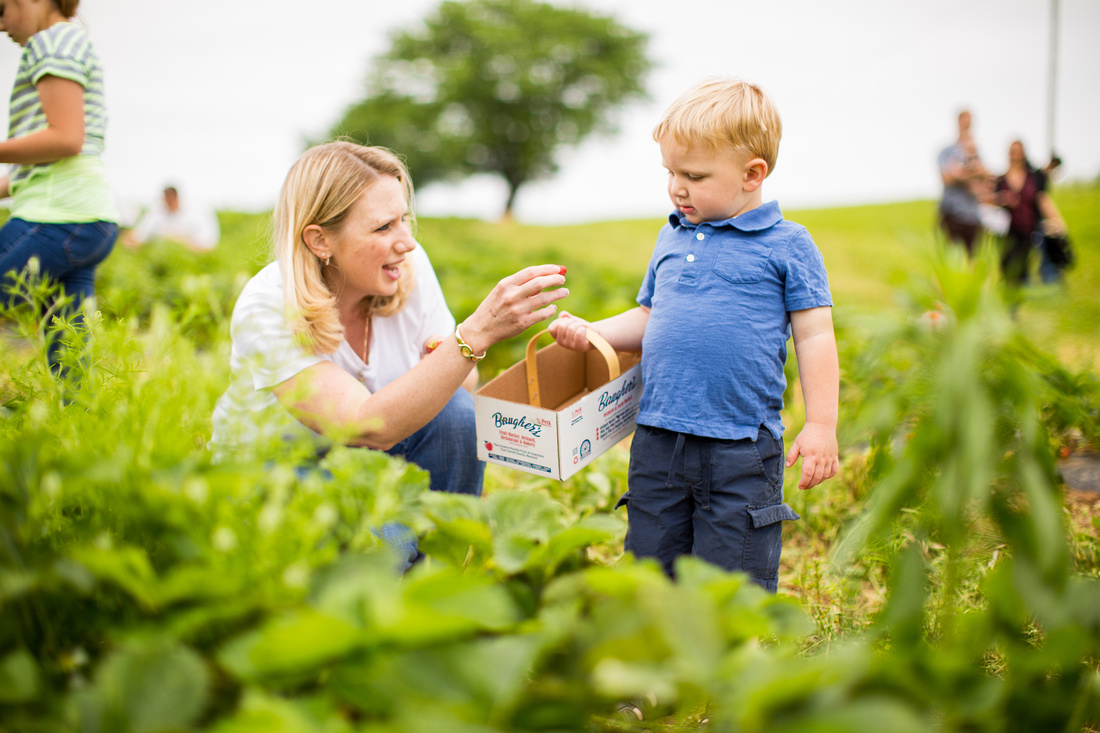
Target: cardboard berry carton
(558,409)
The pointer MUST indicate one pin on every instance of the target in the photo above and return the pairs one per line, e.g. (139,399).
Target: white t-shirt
(197,227)
(264,354)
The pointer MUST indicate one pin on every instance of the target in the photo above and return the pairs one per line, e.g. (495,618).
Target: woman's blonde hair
(320,189)
(729,112)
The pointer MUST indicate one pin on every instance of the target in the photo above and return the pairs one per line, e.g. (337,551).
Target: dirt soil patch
(1081,472)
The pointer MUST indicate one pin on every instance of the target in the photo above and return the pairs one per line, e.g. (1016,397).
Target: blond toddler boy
(728,282)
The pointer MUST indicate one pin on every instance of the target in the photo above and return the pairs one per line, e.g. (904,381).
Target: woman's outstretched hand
(516,303)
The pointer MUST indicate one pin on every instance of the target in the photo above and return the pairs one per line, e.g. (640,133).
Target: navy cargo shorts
(719,500)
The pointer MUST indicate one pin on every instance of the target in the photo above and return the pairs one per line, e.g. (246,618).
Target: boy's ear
(756,170)
(314,237)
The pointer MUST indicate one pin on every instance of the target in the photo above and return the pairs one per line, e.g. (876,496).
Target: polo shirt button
(691,258)
(699,236)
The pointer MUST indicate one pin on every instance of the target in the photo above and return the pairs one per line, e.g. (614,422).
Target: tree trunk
(508,214)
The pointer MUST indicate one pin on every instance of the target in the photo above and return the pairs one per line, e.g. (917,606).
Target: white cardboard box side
(591,414)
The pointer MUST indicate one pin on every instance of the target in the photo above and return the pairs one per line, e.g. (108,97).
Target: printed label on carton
(521,464)
(557,443)
(519,437)
(617,410)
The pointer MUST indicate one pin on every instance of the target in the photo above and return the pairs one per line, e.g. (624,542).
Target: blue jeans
(1048,271)
(67,254)
(447,448)
(719,500)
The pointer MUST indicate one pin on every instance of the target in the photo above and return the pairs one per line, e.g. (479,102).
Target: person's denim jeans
(1048,271)
(447,449)
(67,254)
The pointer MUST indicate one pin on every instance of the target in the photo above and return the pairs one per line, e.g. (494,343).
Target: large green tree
(497,86)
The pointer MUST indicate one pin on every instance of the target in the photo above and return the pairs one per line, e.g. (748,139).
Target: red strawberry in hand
(432,344)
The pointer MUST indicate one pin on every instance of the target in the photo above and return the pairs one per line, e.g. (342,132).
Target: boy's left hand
(820,454)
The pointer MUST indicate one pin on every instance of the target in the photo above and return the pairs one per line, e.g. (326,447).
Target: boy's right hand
(569,331)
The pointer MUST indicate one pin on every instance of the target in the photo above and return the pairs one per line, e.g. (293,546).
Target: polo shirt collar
(762,217)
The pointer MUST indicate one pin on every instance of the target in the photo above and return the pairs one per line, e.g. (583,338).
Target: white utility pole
(1052,81)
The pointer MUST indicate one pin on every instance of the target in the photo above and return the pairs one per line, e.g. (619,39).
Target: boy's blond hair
(730,112)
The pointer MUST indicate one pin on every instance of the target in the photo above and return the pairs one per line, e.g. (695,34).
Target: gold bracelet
(465,347)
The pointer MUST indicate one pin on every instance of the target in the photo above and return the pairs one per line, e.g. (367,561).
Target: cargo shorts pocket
(770,457)
(764,542)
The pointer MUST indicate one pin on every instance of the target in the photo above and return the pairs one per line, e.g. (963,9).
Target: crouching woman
(335,341)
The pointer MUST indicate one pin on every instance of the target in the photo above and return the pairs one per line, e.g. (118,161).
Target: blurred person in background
(63,216)
(1049,270)
(1022,192)
(195,227)
(966,183)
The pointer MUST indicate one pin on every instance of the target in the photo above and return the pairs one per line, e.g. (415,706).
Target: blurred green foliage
(933,585)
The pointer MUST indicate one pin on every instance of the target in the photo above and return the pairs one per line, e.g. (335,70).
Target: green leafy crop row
(934,585)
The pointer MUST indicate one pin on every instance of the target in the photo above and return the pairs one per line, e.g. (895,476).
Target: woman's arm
(332,402)
(63,137)
(470,383)
(1051,215)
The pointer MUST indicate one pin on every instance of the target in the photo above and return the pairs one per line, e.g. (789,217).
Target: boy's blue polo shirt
(719,295)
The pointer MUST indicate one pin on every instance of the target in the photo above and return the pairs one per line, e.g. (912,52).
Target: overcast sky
(218,96)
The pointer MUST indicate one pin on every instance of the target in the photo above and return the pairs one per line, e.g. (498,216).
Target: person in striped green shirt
(62,212)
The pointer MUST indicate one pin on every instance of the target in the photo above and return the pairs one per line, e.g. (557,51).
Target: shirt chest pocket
(745,263)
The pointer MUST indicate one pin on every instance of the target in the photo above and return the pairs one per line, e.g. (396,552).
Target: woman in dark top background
(1022,191)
